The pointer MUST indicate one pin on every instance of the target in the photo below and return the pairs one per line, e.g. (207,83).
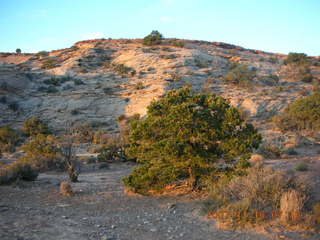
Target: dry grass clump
(66,189)
(256,197)
(256,158)
(291,206)
(19,170)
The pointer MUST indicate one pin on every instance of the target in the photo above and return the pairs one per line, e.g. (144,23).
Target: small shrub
(304,75)
(66,189)
(133,73)
(14,106)
(302,167)
(121,117)
(43,53)
(52,89)
(176,77)
(18,170)
(49,63)
(154,38)
(78,82)
(83,133)
(273,60)
(18,51)
(9,138)
(270,150)
(74,112)
(177,43)
(55,81)
(240,74)
(113,150)
(297,58)
(139,86)
(303,114)
(100,137)
(122,69)
(43,153)
(34,126)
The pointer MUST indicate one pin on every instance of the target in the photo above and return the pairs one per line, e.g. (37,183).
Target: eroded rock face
(99,80)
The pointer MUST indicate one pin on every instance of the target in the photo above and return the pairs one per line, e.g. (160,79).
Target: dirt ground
(100,210)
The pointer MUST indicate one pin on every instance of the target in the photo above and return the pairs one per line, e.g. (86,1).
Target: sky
(279,26)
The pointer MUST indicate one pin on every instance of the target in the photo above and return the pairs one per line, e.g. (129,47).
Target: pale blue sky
(272,25)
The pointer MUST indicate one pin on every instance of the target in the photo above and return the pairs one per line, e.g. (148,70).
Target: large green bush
(240,74)
(187,136)
(303,114)
(154,38)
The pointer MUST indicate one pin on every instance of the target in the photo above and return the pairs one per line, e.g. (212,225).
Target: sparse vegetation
(154,38)
(171,148)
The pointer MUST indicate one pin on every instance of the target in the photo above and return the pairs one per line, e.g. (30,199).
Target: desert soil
(101,210)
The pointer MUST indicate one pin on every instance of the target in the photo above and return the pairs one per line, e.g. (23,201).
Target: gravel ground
(100,210)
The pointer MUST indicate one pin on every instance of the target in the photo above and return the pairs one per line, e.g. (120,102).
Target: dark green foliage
(18,50)
(303,114)
(187,136)
(19,170)
(154,38)
(9,138)
(34,126)
(297,58)
(240,74)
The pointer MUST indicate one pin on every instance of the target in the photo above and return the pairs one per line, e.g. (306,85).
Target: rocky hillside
(97,81)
